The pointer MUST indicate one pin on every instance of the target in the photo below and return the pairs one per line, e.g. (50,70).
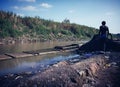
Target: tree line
(12,25)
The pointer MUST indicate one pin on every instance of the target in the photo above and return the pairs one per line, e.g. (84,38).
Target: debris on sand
(93,71)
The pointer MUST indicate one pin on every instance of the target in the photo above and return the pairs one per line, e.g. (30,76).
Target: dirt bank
(100,44)
(96,70)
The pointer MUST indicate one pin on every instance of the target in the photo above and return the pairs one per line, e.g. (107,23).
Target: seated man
(104,31)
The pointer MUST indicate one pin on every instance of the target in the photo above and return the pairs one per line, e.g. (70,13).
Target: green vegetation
(7,30)
(15,26)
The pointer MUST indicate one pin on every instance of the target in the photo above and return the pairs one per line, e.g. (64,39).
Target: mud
(96,70)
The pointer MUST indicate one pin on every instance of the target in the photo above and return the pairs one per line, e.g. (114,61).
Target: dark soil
(101,44)
(96,70)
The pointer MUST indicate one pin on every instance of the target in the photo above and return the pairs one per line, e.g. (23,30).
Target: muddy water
(13,48)
(32,64)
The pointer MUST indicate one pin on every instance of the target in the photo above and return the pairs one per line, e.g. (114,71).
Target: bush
(66,32)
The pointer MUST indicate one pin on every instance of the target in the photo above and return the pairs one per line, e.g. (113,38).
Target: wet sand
(90,70)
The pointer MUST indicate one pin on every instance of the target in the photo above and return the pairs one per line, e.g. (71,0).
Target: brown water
(16,48)
(35,63)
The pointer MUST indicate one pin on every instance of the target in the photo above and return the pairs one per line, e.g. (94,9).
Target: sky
(84,12)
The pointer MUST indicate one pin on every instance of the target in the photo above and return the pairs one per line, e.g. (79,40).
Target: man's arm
(107,31)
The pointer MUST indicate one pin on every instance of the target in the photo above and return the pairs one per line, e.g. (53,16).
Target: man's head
(103,22)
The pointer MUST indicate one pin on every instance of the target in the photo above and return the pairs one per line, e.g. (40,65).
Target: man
(104,31)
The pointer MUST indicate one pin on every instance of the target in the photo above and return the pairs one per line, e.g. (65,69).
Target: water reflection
(13,48)
(32,64)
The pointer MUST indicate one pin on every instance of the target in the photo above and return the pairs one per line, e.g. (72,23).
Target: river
(35,63)
(16,48)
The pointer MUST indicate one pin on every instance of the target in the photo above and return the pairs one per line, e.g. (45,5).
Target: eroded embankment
(95,71)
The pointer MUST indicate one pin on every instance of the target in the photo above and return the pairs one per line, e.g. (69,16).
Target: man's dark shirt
(103,30)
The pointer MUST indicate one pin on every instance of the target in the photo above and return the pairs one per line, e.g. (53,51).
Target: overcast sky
(84,12)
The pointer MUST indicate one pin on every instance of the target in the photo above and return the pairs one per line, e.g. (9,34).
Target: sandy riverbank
(96,70)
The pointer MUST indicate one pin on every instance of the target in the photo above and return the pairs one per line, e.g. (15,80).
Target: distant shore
(33,40)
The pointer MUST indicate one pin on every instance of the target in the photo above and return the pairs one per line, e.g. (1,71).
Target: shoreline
(90,71)
(54,50)
(35,40)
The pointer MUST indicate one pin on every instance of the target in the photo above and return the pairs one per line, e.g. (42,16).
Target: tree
(66,21)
